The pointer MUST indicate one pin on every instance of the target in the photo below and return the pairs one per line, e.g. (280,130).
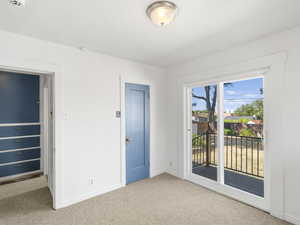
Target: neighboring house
(199,126)
(200,122)
(255,122)
(255,125)
(238,118)
(199,116)
(200,119)
(226,114)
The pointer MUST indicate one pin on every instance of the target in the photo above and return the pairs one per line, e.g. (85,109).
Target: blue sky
(235,95)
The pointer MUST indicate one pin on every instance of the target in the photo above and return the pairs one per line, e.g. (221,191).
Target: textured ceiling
(121,28)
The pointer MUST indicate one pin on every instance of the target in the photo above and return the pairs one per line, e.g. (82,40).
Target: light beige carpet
(13,189)
(163,200)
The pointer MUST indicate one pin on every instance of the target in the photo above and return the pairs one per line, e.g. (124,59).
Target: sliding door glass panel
(244,136)
(204,131)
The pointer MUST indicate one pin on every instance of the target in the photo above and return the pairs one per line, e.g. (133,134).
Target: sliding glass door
(244,135)
(205,131)
(227,138)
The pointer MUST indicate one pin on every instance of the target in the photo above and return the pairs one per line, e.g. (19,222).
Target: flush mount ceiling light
(162,13)
(17,2)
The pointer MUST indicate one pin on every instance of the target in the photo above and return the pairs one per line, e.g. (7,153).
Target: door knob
(127,140)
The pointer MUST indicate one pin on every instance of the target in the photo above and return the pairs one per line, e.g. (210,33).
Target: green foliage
(253,109)
(244,120)
(247,133)
(197,141)
(237,121)
(228,132)
(194,135)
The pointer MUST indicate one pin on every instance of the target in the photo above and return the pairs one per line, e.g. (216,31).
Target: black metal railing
(242,154)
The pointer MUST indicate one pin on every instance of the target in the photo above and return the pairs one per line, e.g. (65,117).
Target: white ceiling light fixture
(162,13)
(17,2)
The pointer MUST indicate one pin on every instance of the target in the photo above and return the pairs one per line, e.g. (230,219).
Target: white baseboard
(292,219)
(286,217)
(66,203)
(173,172)
(156,172)
(278,215)
(87,196)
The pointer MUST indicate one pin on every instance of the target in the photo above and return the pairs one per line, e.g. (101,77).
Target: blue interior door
(137,132)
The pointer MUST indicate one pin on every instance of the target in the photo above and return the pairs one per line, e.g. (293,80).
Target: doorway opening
(26,130)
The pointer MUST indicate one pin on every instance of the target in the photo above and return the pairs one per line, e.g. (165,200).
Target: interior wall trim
(18,137)
(20,149)
(18,124)
(18,162)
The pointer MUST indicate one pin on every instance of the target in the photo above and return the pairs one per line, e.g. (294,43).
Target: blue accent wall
(19,101)
(19,98)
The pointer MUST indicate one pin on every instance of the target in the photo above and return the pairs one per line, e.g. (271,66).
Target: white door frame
(123,81)
(44,119)
(46,109)
(52,71)
(273,67)
(229,190)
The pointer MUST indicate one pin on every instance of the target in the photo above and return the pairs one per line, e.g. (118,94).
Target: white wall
(288,42)
(87,96)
